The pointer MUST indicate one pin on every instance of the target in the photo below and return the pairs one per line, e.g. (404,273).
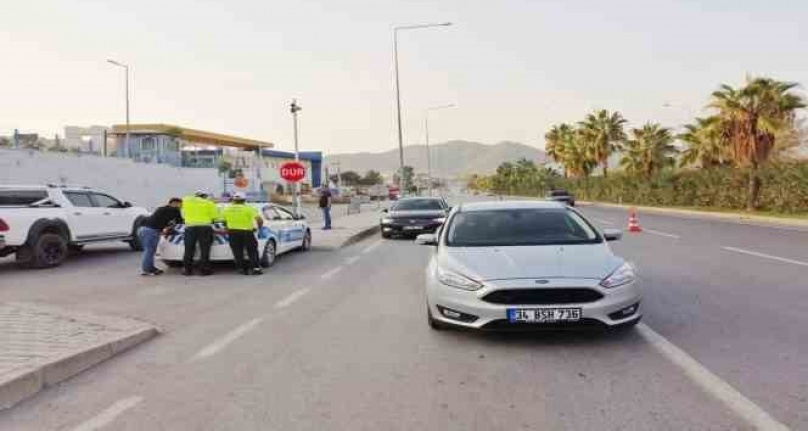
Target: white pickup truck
(43,224)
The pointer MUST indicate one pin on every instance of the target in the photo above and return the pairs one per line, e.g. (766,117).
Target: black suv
(414,216)
(563,196)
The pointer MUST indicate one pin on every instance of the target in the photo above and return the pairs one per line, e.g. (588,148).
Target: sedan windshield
(516,227)
(418,205)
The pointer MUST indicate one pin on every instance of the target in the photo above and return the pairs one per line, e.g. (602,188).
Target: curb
(23,384)
(362,234)
(706,214)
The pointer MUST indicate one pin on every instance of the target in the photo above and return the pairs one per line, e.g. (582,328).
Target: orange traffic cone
(633,224)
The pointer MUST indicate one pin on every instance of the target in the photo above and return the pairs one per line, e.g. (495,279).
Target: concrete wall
(143,184)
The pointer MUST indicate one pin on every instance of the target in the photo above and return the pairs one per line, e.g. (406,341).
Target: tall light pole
(398,95)
(428,151)
(294,108)
(126,84)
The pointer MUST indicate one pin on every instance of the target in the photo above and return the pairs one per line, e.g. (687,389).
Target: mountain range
(449,159)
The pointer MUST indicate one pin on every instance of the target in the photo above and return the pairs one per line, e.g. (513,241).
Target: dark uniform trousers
(241,240)
(202,235)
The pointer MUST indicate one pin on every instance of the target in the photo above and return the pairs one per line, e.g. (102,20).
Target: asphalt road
(339,340)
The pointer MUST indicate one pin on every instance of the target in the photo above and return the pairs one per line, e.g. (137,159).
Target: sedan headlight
(457,281)
(387,220)
(622,275)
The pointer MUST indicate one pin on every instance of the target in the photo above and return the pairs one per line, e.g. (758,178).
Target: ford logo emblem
(542,281)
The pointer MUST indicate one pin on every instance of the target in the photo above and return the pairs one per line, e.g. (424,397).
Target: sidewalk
(346,229)
(42,345)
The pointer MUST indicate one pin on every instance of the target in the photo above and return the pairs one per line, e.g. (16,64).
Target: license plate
(543,315)
(413,227)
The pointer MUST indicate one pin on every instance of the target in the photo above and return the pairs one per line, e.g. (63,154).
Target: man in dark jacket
(149,233)
(325,206)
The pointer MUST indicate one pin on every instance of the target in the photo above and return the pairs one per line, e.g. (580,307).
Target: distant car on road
(282,232)
(43,223)
(527,265)
(414,216)
(562,196)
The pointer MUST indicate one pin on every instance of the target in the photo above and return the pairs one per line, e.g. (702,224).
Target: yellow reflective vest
(240,216)
(197,211)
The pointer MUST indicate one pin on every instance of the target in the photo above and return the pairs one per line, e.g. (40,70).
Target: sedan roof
(508,205)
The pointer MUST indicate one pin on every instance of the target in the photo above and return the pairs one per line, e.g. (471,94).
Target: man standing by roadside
(241,220)
(325,206)
(199,213)
(149,233)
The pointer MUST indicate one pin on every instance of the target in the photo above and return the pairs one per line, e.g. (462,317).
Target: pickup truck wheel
(134,243)
(46,251)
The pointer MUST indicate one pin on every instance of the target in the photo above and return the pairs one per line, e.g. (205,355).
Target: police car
(282,232)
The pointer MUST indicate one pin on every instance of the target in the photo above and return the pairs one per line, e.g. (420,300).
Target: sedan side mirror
(300,217)
(384,210)
(426,239)
(127,205)
(612,234)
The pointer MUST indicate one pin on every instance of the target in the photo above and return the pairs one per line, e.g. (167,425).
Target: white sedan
(527,265)
(282,232)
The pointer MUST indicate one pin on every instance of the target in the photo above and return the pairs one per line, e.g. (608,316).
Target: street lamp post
(126,84)
(428,151)
(294,108)
(398,95)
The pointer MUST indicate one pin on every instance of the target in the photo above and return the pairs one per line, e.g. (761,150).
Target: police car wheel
(268,257)
(306,246)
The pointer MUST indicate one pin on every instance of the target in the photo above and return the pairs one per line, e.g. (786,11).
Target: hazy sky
(512,67)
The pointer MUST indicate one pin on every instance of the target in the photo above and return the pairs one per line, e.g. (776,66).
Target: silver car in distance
(514,265)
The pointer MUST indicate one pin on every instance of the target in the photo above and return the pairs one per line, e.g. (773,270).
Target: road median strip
(731,216)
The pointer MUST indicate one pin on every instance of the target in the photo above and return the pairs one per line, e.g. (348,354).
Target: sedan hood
(417,214)
(592,261)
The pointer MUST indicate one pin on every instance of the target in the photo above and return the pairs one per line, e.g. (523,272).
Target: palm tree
(649,150)
(602,132)
(554,143)
(577,158)
(705,145)
(751,118)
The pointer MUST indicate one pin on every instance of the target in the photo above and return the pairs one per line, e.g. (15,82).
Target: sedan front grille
(542,296)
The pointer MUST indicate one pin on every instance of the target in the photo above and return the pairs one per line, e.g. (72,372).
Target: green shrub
(785,188)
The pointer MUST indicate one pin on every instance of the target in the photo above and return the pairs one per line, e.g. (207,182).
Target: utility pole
(125,67)
(294,108)
(428,152)
(398,96)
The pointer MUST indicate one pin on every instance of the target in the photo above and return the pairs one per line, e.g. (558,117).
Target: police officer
(241,220)
(199,213)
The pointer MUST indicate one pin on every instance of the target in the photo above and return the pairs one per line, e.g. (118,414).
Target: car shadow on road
(552,338)
(91,256)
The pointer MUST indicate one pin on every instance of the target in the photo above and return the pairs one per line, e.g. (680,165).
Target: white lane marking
(331,273)
(372,247)
(602,221)
(107,416)
(711,383)
(230,337)
(766,256)
(351,260)
(660,233)
(285,302)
